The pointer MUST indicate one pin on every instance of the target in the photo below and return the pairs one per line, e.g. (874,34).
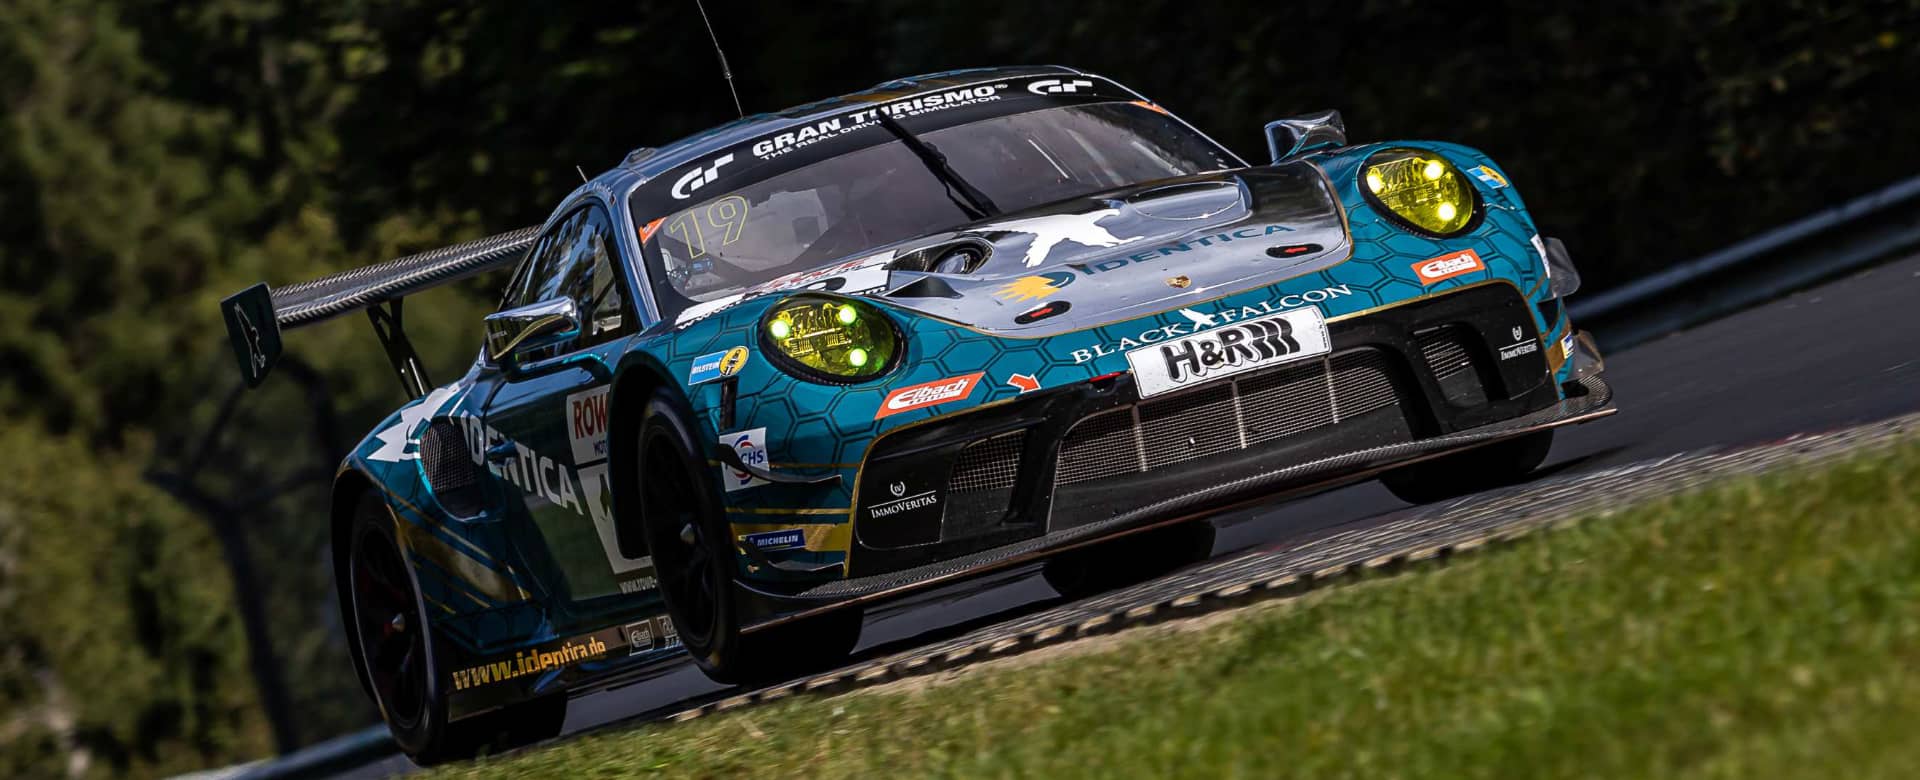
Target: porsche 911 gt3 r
(741,386)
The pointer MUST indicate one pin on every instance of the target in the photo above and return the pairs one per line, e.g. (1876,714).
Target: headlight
(1421,189)
(830,339)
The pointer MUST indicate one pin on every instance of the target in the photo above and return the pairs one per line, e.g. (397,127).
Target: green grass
(1768,627)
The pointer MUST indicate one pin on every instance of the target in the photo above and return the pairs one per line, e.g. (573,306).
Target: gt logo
(1056,86)
(699,177)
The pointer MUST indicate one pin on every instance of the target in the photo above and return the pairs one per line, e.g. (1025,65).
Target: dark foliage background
(156,156)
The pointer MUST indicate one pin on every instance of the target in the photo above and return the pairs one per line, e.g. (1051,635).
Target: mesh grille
(1447,358)
(1224,417)
(449,467)
(1187,427)
(1444,353)
(1099,446)
(990,464)
(1286,402)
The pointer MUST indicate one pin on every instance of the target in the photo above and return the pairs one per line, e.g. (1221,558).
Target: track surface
(1839,355)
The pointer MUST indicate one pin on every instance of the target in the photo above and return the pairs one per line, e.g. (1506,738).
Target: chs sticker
(927,394)
(1446,267)
(751,446)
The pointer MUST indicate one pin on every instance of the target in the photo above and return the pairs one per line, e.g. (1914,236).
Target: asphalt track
(1838,355)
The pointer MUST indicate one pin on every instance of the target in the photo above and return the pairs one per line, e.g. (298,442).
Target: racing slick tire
(1494,465)
(1129,559)
(388,624)
(694,559)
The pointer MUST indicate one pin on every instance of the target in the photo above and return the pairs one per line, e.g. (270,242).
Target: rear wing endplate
(256,316)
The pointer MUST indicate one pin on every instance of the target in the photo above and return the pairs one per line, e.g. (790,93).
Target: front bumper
(1019,480)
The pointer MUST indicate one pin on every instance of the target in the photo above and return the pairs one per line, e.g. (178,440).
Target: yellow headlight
(834,340)
(1421,188)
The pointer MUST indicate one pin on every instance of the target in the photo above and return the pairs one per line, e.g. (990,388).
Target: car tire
(1489,466)
(1128,560)
(387,621)
(695,562)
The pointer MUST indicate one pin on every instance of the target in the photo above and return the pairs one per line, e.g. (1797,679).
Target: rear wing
(257,316)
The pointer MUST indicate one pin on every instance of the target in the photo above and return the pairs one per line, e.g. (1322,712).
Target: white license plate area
(1227,350)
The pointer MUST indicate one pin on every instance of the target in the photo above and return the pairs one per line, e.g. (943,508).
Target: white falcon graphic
(395,438)
(1050,230)
(1199,320)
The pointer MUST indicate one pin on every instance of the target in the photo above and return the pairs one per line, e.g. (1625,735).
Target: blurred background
(165,596)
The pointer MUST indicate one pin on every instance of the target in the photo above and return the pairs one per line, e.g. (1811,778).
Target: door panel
(547,429)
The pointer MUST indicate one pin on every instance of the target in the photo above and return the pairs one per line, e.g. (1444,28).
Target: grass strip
(1765,627)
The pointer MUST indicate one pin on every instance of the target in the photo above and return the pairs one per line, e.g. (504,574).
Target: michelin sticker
(751,446)
(784,539)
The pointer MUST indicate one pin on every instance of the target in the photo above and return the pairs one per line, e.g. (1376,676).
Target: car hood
(1123,254)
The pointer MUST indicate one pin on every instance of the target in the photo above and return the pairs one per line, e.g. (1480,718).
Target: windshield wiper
(972,201)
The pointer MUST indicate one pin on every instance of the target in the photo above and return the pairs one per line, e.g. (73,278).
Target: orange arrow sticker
(1023,383)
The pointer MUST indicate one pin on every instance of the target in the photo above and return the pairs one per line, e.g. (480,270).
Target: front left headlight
(1420,189)
(834,340)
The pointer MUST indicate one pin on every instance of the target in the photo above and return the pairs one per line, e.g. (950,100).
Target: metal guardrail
(1828,243)
(347,751)
(1825,244)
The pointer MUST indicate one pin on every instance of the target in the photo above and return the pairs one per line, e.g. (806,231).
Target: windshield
(800,219)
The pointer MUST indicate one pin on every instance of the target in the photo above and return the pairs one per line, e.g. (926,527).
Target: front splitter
(1309,477)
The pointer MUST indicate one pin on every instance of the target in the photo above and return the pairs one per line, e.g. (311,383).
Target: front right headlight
(1420,190)
(833,340)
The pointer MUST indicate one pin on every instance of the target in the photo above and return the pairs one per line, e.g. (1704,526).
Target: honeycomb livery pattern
(814,428)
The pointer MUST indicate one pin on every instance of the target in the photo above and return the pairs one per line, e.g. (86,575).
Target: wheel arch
(638,379)
(347,489)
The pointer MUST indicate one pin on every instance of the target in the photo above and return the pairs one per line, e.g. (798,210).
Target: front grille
(1224,417)
(1445,350)
(988,464)
(981,485)
(449,468)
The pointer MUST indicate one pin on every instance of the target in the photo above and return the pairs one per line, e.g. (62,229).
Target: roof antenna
(725,72)
(583,174)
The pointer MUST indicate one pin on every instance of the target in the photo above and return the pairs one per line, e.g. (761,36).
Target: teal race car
(744,385)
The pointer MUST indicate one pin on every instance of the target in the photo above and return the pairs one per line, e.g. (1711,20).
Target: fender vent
(449,469)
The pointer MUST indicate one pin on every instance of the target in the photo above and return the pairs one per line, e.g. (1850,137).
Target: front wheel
(1490,466)
(388,621)
(693,555)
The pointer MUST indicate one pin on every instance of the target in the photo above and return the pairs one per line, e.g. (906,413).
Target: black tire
(387,621)
(1128,560)
(1501,463)
(694,559)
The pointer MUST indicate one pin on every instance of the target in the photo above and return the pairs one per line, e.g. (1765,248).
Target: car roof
(648,162)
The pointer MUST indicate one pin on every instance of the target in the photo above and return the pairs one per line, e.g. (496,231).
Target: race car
(742,387)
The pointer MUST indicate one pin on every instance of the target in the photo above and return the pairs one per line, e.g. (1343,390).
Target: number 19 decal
(724,220)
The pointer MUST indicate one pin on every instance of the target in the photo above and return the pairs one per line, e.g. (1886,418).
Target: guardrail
(1828,243)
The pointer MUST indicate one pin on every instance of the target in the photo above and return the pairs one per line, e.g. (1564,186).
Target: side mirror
(1294,135)
(515,333)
